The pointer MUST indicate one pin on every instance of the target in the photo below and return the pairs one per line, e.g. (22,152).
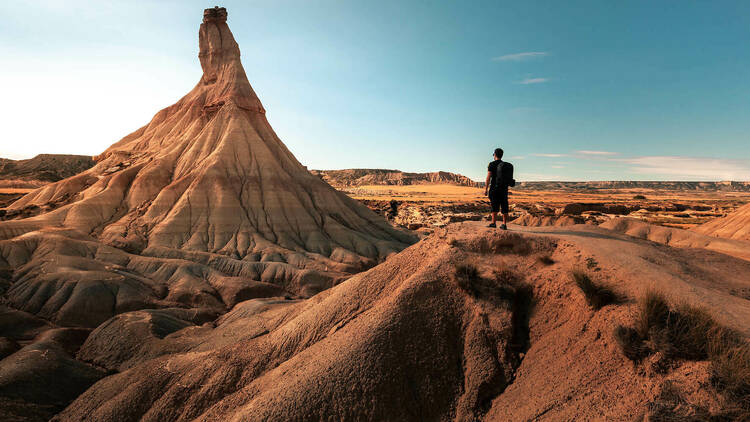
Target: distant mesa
(629,184)
(43,168)
(364,177)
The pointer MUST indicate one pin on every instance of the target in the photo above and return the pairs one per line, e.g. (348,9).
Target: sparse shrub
(653,311)
(506,282)
(631,343)
(683,332)
(671,406)
(597,295)
(691,333)
(688,331)
(467,277)
(730,374)
(505,289)
(506,277)
(502,243)
(721,339)
(546,260)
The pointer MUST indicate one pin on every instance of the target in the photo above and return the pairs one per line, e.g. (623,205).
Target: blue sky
(577,90)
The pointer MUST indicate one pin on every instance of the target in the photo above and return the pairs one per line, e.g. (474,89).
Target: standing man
(499,177)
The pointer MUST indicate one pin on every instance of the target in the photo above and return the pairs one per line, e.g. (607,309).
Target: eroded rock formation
(202,208)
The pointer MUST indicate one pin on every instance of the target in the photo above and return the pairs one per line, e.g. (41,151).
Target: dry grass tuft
(506,277)
(546,260)
(503,243)
(730,374)
(653,311)
(500,290)
(691,333)
(467,277)
(631,343)
(597,295)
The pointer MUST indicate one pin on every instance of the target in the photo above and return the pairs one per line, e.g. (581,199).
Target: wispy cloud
(550,155)
(529,81)
(519,57)
(686,168)
(600,153)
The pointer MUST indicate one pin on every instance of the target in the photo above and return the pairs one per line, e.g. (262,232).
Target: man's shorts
(499,200)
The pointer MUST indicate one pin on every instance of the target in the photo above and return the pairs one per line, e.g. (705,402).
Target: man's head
(498,153)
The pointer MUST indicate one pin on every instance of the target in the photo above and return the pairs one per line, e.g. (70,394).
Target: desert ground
(196,271)
(538,203)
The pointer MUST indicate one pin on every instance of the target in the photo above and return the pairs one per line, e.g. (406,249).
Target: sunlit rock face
(202,208)
(208,181)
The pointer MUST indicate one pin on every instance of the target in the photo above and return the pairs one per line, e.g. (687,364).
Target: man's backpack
(504,175)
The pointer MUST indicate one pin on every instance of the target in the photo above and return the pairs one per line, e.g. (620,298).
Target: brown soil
(515,341)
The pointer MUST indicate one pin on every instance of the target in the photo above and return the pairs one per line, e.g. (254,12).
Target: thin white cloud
(587,152)
(690,168)
(519,57)
(550,155)
(529,81)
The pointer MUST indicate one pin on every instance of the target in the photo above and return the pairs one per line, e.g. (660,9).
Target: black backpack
(504,175)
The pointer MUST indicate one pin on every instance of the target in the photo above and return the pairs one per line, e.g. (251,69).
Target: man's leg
(504,208)
(495,207)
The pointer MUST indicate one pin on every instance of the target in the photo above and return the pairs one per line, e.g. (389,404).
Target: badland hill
(42,169)
(364,177)
(733,226)
(200,209)
(468,324)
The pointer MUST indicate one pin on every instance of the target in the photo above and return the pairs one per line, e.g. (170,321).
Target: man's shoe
(504,227)
(492,225)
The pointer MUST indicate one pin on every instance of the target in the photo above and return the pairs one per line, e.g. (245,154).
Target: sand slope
(678,237)
(734,226)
